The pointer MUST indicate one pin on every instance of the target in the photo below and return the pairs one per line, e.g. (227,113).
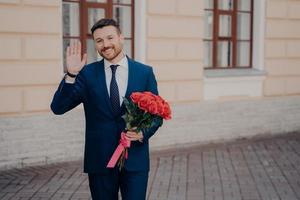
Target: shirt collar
(122,63)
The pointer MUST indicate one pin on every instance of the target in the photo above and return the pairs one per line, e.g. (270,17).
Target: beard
(115,52)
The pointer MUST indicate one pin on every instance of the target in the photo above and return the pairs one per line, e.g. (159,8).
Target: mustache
(106,48)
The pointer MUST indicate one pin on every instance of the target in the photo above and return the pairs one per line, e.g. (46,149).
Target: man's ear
(122,37)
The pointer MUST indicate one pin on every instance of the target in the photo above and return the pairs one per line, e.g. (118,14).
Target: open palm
(74,61)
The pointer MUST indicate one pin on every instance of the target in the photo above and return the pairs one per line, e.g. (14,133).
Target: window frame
(215,38)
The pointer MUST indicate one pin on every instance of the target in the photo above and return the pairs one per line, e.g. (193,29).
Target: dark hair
(105,22)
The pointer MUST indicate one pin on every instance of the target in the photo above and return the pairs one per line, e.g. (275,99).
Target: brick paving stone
(274,172)
(195,177)
(161,185)
(256,169)
(264,185)
(286,163)
(227,176)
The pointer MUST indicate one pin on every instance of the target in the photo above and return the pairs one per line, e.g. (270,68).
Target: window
(228,34)
(80,15)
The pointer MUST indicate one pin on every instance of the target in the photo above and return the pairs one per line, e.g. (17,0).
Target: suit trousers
(133,185)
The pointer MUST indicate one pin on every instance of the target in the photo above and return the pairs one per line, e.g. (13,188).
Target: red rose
(135,97)
(167,111)
(158,98)
(160,108)
(143,102)
(151,103)
(152,107)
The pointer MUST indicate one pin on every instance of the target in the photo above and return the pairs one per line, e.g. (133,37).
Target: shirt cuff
(69,79)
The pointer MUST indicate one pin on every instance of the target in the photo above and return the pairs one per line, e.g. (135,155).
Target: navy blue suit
(103,129)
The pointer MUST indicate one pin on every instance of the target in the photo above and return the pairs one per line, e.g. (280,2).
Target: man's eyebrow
(106,36)
(98,38)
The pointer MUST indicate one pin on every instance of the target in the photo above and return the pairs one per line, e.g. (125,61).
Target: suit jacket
(103,129)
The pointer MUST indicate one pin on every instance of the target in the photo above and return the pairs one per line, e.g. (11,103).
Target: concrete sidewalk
(257,169)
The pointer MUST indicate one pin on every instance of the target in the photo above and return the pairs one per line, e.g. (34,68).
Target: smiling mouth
(107,50)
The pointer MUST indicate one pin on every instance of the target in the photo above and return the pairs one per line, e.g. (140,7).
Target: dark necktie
(114,91)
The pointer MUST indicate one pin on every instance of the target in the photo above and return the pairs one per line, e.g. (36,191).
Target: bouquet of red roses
(143,110)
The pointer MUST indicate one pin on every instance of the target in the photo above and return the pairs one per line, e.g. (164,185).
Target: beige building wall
(282,51)
(174,47)
(30,54)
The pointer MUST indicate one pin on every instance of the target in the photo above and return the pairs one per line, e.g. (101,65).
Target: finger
(68,51)
(128,135)
(75,46)
(133,138)
(129,138)
(133,128)
(84,59)
(131,133)
(78,47)
(72,47)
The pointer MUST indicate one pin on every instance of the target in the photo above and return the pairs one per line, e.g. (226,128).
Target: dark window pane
(122,14)
(94,14)
(224,53)
(225,4)
(208,54)
(208,25)
(225,26)
(243,54)
(70,19)
(244,5)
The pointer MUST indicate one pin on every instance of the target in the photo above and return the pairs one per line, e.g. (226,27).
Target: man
(100,86)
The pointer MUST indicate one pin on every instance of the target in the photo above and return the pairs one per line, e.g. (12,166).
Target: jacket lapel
(130,83)
(102,84)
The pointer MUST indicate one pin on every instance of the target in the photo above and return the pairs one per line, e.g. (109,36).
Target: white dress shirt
(121,76)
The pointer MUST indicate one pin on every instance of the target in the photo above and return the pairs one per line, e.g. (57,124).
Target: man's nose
(105,43)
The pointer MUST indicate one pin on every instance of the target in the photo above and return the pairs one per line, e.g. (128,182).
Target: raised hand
(74,61)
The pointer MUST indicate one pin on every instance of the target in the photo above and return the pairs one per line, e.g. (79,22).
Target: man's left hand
(131,135)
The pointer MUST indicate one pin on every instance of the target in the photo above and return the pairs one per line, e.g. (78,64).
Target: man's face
(109,42)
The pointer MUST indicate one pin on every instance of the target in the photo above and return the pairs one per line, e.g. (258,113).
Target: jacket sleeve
(152,87)
(68,95)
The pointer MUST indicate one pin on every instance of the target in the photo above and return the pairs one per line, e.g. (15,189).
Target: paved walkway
(257,169)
